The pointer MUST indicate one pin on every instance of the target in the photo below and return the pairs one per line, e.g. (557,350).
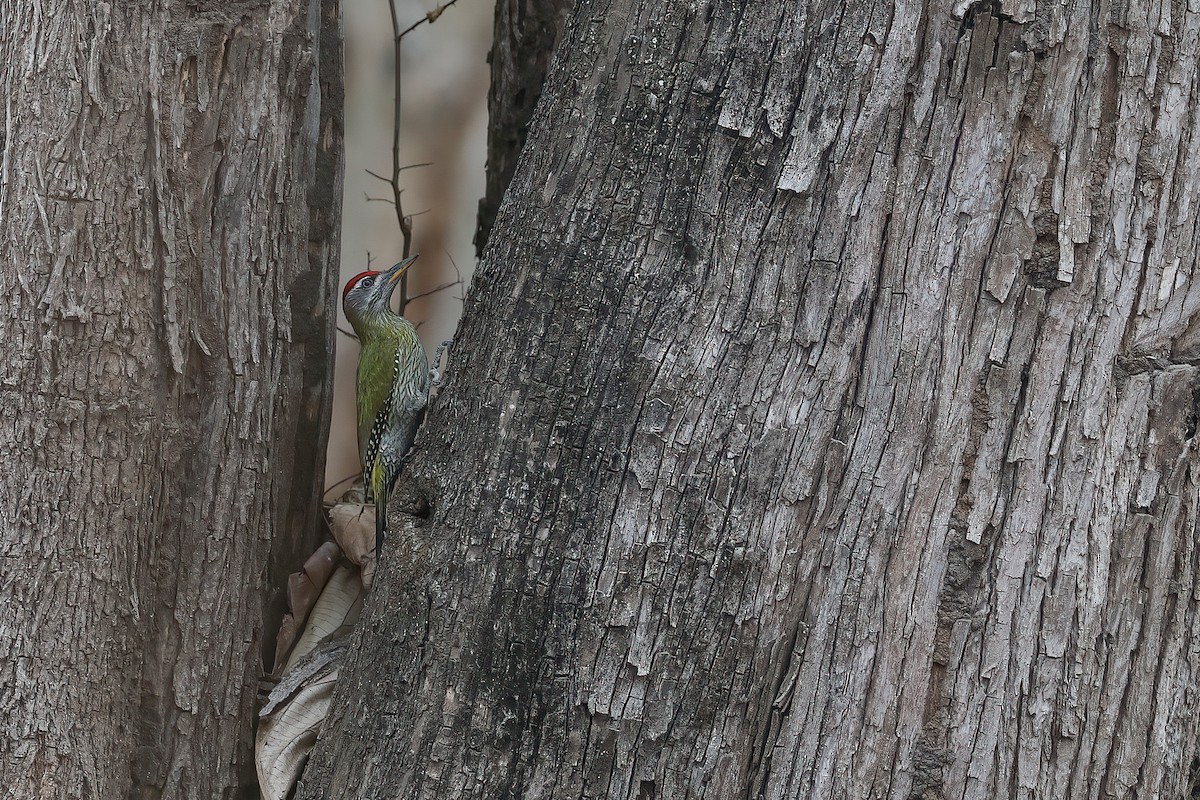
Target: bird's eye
(367,282)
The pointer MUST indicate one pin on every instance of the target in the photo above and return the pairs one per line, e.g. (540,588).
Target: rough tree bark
(822,423)
(169,209)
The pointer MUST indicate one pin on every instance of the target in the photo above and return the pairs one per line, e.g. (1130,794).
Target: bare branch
(404,222)
(453,263)
(342,482)
(385,179)
(377,175)
(440,288)
(430,17)
(457,274)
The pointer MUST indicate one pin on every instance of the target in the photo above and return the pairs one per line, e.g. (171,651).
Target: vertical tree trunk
(526,32)
(822,423)
(169,198)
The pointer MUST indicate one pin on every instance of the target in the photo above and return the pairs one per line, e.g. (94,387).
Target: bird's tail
(381,519)
(379,487)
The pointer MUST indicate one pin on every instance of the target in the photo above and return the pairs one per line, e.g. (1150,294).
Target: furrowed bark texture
(169,198)
(526,32)
(822,423)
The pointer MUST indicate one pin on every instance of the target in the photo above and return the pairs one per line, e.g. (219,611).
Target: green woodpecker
(392,383)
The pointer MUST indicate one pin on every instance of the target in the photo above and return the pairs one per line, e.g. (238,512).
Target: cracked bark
(822,423)
(169,212)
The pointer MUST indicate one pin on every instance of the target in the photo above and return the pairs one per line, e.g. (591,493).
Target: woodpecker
(392,383)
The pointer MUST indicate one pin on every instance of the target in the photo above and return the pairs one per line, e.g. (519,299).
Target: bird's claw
(435,375)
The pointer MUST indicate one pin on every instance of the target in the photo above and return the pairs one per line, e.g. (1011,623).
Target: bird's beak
(392,275)
(390,278)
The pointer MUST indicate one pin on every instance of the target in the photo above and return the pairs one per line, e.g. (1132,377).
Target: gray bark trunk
(822,423)
(525,35)
(169,209)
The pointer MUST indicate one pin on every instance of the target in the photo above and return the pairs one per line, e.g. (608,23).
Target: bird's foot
(435,375)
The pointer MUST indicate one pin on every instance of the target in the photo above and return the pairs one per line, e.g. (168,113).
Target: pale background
(444,120)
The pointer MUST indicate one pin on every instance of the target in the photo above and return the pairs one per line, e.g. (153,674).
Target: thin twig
(443,287)
(458,281)
(404,222)
(345,332)
(430,17)
(457,275)
(348,479)
(374,174)
(454,264)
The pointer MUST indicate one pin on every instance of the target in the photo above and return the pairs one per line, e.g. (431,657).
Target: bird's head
(368,293)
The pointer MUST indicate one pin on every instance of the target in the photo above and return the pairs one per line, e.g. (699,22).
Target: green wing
(376,375)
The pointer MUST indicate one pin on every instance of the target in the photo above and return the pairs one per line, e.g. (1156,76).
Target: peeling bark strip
(169,200)
(822,423)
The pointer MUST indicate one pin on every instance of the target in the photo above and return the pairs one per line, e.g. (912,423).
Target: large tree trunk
(822,423)
(169,198)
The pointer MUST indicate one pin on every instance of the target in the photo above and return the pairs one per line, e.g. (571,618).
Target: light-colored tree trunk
(169,195)
(822,423)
